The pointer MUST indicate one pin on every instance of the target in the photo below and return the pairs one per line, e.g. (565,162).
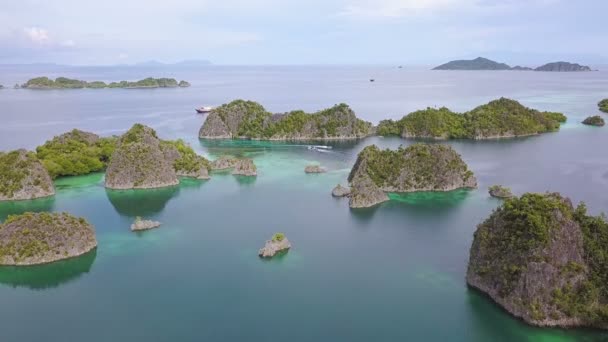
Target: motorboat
(204,110)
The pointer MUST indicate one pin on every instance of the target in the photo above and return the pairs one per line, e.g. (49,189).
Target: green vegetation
(13,170)
(498,118)
(278,237)
(603,105)
(67,83)
(189,161)
(76,153)
(595,120)
(500,191)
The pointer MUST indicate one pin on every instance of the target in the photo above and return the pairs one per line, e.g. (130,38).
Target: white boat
(203,110)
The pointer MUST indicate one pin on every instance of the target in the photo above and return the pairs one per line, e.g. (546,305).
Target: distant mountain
(478,63)
(189,63)
(520,68)
(562,67)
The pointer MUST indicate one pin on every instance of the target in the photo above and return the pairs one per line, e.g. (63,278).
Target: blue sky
(422,32)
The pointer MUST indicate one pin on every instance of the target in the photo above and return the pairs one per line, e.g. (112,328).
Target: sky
(421,32)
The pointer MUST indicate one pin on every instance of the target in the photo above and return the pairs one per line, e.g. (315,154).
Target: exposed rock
(23,177)
(364,193)
(250,120)
(314,169)
(37,238)
(543,261)
(500,191)
(478,63)
(245,167)
(140,224)
(184,84)
(224,163)
(563,66)
(594,121)
(603,105)
(340,191)
(277,244)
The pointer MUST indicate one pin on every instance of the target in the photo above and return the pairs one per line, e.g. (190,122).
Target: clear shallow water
(394,272)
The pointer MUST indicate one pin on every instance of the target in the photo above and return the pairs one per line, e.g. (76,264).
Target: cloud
(68,43)
(37,35)
(400,8)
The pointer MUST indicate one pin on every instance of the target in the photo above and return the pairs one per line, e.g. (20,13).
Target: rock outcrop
(245,167)
(543,261)
(499,191)
(250,120)
(224,163)
(141,224)
(595,120)
(340,191)
(313,168)
(277,244)
(603,105)
(184,84)
(562,67)
(419,167)
(38,238)
(23,177)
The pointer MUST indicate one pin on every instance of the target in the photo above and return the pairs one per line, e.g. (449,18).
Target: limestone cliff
(23,177)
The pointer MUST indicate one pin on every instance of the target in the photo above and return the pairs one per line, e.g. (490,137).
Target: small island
(224,163)
(278,244)
(603,105)
(245,167)
(314,168)
(499,191)
(418,167)
(68,83)
(543,260)
(241,119)
(502,118)
(142,161)
(481,63)
(340,191)
(563,67)
(595,120)
(23,177)
(38,238)
(141,224)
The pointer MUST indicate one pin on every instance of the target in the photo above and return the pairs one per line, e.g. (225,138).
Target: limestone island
(314,168)
(76,153)
(502,118)
(277,244)
(563,67)
(595,120)
(241,119)
(141,224)
(68,83)
(499,191)
(418,167)
(39,238)
(340,191)
(142,161)
(603,105)
(543,261)
(23,177)
(245,167)
(481,63)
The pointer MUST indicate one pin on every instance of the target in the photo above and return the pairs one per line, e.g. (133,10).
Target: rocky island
(543,261)
(499,191)
(595,120)
(23,177)
(563,67)
(314,168)
(603,105)
(478,63)
(249,120)
(141,224)
(245,167)
(502,118)
(142,160)
(276,245)
(340,191)
(76,153)
(418,167)
(224,163)
(38,238)
(68,83)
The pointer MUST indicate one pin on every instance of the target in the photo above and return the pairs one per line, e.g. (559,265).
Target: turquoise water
(394,272)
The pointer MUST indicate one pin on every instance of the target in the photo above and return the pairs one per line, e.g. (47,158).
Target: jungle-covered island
(241,119)
(481,63)
(603,105)
(68,83)
(38,238)
(544,261)
(418,167)
(141,160)
(23,177)
(595,120)
(502,118)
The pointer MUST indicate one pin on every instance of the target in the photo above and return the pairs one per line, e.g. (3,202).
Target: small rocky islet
(340,191)
(595,120)
(499,191)
(314,168)
(140,224)
(68,83)
(277,244)
(543,260)
(418,167)
(38,238)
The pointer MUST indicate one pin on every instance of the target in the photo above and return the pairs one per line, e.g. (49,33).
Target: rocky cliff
(37,238)
(23,177)
(543,261)
(250,120)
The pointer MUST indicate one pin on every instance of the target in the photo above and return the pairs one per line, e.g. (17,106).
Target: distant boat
(203,110)
(372,80)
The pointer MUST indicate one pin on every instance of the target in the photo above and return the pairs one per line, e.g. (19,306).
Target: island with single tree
(278,244)
(502,118)
(595,120)
(543,261)
(603,105)
(241,119)
(142,160)
(39,238)
(499,191)
(68,83)
(23,177)
(481,63)
(418,167)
